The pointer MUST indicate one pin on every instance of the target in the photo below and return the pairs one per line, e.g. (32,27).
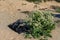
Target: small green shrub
(38,1)
(35,1)
(41,24)
(57,10)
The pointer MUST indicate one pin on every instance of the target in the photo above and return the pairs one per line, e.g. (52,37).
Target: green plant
(35,1)
(41,24)
(58,9)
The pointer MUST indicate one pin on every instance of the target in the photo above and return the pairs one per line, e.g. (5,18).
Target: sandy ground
(10,11)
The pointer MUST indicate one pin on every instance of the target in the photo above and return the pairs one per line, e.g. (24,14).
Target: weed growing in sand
(41,24)
(58,9)
(37,1)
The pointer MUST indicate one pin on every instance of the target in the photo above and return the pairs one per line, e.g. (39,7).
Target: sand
(10,11)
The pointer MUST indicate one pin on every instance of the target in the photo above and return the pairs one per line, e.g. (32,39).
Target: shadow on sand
(57,15)
(19,26)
